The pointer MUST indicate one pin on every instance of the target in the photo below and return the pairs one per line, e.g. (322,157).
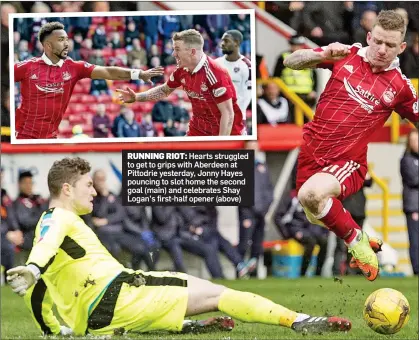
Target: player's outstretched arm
(119,73)
(227,117)
(153,94)
(308,58)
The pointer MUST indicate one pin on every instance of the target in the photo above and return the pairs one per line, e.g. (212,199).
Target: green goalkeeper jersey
(75,271)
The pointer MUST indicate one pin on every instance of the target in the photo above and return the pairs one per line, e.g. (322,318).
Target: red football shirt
(46,89)
(208,85)
(355,103)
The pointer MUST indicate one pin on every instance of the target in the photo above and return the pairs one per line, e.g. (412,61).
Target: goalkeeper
(94,294)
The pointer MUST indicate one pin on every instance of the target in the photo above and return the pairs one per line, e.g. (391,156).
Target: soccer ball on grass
(386,311)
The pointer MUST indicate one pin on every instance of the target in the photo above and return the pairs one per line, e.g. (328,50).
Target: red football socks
(337,219)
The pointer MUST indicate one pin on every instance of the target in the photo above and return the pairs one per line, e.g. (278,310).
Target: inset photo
(132,76)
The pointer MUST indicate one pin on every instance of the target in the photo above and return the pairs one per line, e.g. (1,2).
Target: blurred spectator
(167,25)
(162,111)
(28,208)
(99,37)
(115,41)
(366,25)
(128,127)
(137,224)
(309,235)
(131,33)
(101,122)
(137,53)
(182,128)
(409,169)
(118,119)
(11,236)
(185,22)
(96,58)
(6,9)
(359,7)
(326,22)
(252,219)
(98,87)
(170,129)
(355,204)
(24,50)
(261,67)
(208,216)
(40,7)
(72,53)
(241,22)
(108,218)
(167,221)
(146,126)
(217,24)
(302,82)
(289,12)
(409,59)
(80,26)
(150,28)
(272,108)
(100,6)
(153,52)
(5,107)
(166,57)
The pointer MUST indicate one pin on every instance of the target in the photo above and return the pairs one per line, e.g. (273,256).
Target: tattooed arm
(227,117)
(307,58)
(153,94)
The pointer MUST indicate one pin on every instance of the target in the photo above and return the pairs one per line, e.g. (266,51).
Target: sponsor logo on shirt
(219,92)
(66,76)
(49,89)
(359,94)
(193,94)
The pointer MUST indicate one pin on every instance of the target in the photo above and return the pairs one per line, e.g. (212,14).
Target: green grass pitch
(316,296)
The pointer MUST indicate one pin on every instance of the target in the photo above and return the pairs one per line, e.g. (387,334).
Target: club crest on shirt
(236,69)
(66,76)
(388,96)
(204,87)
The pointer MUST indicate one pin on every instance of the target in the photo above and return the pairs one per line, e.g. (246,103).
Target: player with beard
(238,67)
(47,83)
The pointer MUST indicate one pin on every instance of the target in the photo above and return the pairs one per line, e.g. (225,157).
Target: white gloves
(65,331)
(22,278)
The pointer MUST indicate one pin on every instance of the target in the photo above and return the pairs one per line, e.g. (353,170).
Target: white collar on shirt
(50,63)
(394,64)
(200,64)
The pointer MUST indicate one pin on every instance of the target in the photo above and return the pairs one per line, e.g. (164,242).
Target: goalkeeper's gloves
(22,278)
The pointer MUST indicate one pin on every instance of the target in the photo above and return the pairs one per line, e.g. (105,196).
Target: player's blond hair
(391,21)
(67,170)
(190,37)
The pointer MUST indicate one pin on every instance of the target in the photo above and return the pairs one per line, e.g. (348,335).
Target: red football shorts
(236,131)
(350,174)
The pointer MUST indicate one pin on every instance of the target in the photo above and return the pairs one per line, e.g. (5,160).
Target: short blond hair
(190,37)
(391,21)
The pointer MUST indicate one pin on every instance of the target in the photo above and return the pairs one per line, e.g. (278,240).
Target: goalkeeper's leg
(205,296)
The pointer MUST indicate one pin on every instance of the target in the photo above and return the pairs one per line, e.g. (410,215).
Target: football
(386,311)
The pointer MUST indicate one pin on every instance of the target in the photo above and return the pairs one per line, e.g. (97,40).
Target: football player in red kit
(47,83)
(209,88)
(365,87)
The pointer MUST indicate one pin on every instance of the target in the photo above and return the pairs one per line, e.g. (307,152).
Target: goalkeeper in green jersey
(94,294)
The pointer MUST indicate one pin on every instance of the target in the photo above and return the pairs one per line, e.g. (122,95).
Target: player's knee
(309,198)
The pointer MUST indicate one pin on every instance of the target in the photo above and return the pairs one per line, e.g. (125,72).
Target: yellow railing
(301,109)
(386,198)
